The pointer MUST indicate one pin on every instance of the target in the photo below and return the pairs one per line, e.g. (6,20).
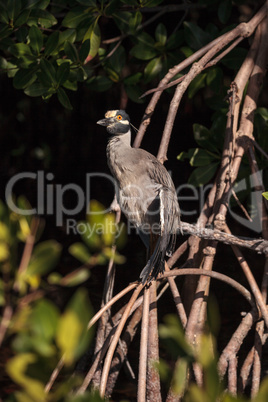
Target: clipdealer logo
(51,198)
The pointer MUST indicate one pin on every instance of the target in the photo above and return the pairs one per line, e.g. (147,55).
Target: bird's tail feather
(156,262)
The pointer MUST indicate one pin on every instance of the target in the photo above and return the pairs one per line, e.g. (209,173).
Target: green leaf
(225,11)
(44,319)
(16,368)
(195,36)
(263,112)
(152,3)
(20,49)
(99,83)
(197,83)
(265,195)
(63,99)
(52,43)
(132,79)
(152,69)
(49,70)
(134,93)
(80,251)
(36,89)
(68,34)
(175,40)
(84,51)
(214,79)
(5,31)
(44,258)
(75,278)
(234,58)
(122,19)
(118,60)
(143,52)
(94,35)
(145,49)
(21,34)
(42,18)
(13,8)
(87,3)
(22,18)
(62,73)
(74,18)
(135,21)
(4,15)
(201,157)
(72,336)
(203,174)
(71,51)
(24,78)
(203,138)
(36,39)
(161,34)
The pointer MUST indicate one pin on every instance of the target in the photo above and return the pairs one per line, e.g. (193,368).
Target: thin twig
(115,339)
(144,347)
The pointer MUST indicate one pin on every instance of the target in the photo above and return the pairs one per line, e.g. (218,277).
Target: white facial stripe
(110,113)
(126,122)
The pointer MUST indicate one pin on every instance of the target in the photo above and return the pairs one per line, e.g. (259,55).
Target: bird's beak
(104,122)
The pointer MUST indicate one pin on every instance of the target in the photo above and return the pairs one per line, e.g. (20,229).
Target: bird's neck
(117,150)
(123,139)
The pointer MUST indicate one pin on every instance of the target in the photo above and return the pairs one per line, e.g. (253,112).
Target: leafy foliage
(39,333)
(48,49)
(204,354)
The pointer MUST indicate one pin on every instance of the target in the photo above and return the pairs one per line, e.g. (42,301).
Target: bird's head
(116,121)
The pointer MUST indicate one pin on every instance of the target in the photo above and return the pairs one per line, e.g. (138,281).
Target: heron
(146,193)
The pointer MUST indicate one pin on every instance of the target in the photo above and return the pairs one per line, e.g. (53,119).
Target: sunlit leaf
(94,35)
(201,157)
(75,278)
(45,257)
(41,17)
(152,69)
(74,18)
(16,368)
(44,319)
(72,335)
(80,251)
(4,251)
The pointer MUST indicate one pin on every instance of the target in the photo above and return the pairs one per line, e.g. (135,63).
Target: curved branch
(216,275)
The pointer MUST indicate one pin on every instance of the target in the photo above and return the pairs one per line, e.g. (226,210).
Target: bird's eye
(119,117)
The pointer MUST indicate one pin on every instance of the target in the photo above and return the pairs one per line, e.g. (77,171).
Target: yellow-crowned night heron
(146,193)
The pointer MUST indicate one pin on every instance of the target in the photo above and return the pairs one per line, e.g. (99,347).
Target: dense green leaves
(41,39)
